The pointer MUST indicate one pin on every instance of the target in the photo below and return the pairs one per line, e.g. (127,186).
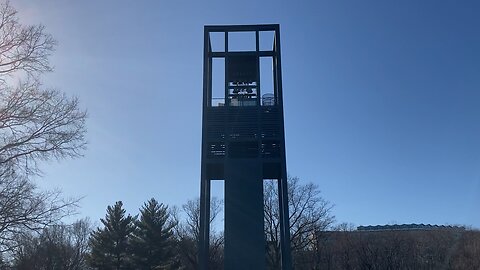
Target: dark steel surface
(243,143)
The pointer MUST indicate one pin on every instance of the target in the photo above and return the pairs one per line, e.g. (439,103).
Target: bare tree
(188,233)
(57,247)
(36,125)
(24,209)
(309,214)
(25,48)
(434,248)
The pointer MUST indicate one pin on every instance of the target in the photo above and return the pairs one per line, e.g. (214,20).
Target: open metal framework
(243,140)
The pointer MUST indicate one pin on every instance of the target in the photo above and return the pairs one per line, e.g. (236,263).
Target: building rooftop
(402,227)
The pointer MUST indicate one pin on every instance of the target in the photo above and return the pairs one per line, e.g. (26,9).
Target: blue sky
(381,101)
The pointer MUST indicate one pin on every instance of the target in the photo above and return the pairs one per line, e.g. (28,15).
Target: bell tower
(243,139)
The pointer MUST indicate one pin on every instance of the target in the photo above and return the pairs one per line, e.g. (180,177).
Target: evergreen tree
(110,246)
(153,243)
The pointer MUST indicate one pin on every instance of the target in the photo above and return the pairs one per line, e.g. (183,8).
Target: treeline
(395,249)
(157,238)
(149,240)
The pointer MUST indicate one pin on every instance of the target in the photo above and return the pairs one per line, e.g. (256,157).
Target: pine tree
(109,245)
(153,243)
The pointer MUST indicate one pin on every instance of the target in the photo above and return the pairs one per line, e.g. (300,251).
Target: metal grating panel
(216,132)
(216,150)
(243,150)
(270,149)
(243,115)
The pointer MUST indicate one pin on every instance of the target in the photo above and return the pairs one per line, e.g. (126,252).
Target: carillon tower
(243,140)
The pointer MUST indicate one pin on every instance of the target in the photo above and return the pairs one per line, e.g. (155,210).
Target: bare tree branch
(36,125)
(309,213)
(64,246)
(188,235)
(23,208)
(23,48)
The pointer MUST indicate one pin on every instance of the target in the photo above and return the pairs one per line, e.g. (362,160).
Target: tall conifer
(109,245)
(153,243)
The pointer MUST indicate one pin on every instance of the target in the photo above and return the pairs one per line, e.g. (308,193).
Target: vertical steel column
(282,183)
(204,237)
(244,228)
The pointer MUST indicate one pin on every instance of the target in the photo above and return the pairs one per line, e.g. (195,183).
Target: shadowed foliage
(110,245)
(152,242)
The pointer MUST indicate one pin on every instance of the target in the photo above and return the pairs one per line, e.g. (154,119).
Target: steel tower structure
(243,140)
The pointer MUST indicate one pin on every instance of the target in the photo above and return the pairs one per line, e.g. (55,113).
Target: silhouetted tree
(153,242)
(24,48)
(467,251)
(36,124)
(309,214)
(440,248)
(25,209)
(109,245)
(188,233)
(57,247)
